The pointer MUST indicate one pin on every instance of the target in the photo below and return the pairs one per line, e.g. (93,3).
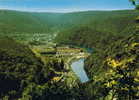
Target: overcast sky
(64,5)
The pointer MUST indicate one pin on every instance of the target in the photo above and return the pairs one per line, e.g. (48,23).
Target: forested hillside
(99,27)
(31,22)
(14,21)
(23,76)
(112,67)
(114,71)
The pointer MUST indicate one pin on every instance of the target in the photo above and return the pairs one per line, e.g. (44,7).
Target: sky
(64,5)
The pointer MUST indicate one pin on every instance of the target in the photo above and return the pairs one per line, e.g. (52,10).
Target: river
(78,68)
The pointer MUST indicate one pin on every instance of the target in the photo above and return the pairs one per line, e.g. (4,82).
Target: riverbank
(65,54)
(77,65)
(61,54)
(77,57)
(78,68)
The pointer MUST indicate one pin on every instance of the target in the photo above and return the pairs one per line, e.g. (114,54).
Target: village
(63,51)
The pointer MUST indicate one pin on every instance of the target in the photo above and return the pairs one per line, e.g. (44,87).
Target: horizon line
(64,10)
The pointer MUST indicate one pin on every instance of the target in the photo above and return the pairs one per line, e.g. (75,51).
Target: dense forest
(23,76)
(99,27)
(46,22)
(114,70)
(112,67)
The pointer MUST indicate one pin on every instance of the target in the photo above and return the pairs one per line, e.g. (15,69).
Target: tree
(135,3)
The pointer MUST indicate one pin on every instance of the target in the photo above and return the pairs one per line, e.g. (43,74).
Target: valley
(89,55)
(65,53)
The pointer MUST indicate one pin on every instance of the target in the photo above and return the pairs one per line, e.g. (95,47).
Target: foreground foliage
(24,77)
(116,74)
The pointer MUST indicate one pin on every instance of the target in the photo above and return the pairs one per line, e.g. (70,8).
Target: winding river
(78,68)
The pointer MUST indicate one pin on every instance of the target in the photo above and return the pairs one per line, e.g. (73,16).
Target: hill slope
(98,27)
(16,21)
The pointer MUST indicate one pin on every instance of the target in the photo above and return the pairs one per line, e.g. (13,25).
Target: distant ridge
(12,21)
